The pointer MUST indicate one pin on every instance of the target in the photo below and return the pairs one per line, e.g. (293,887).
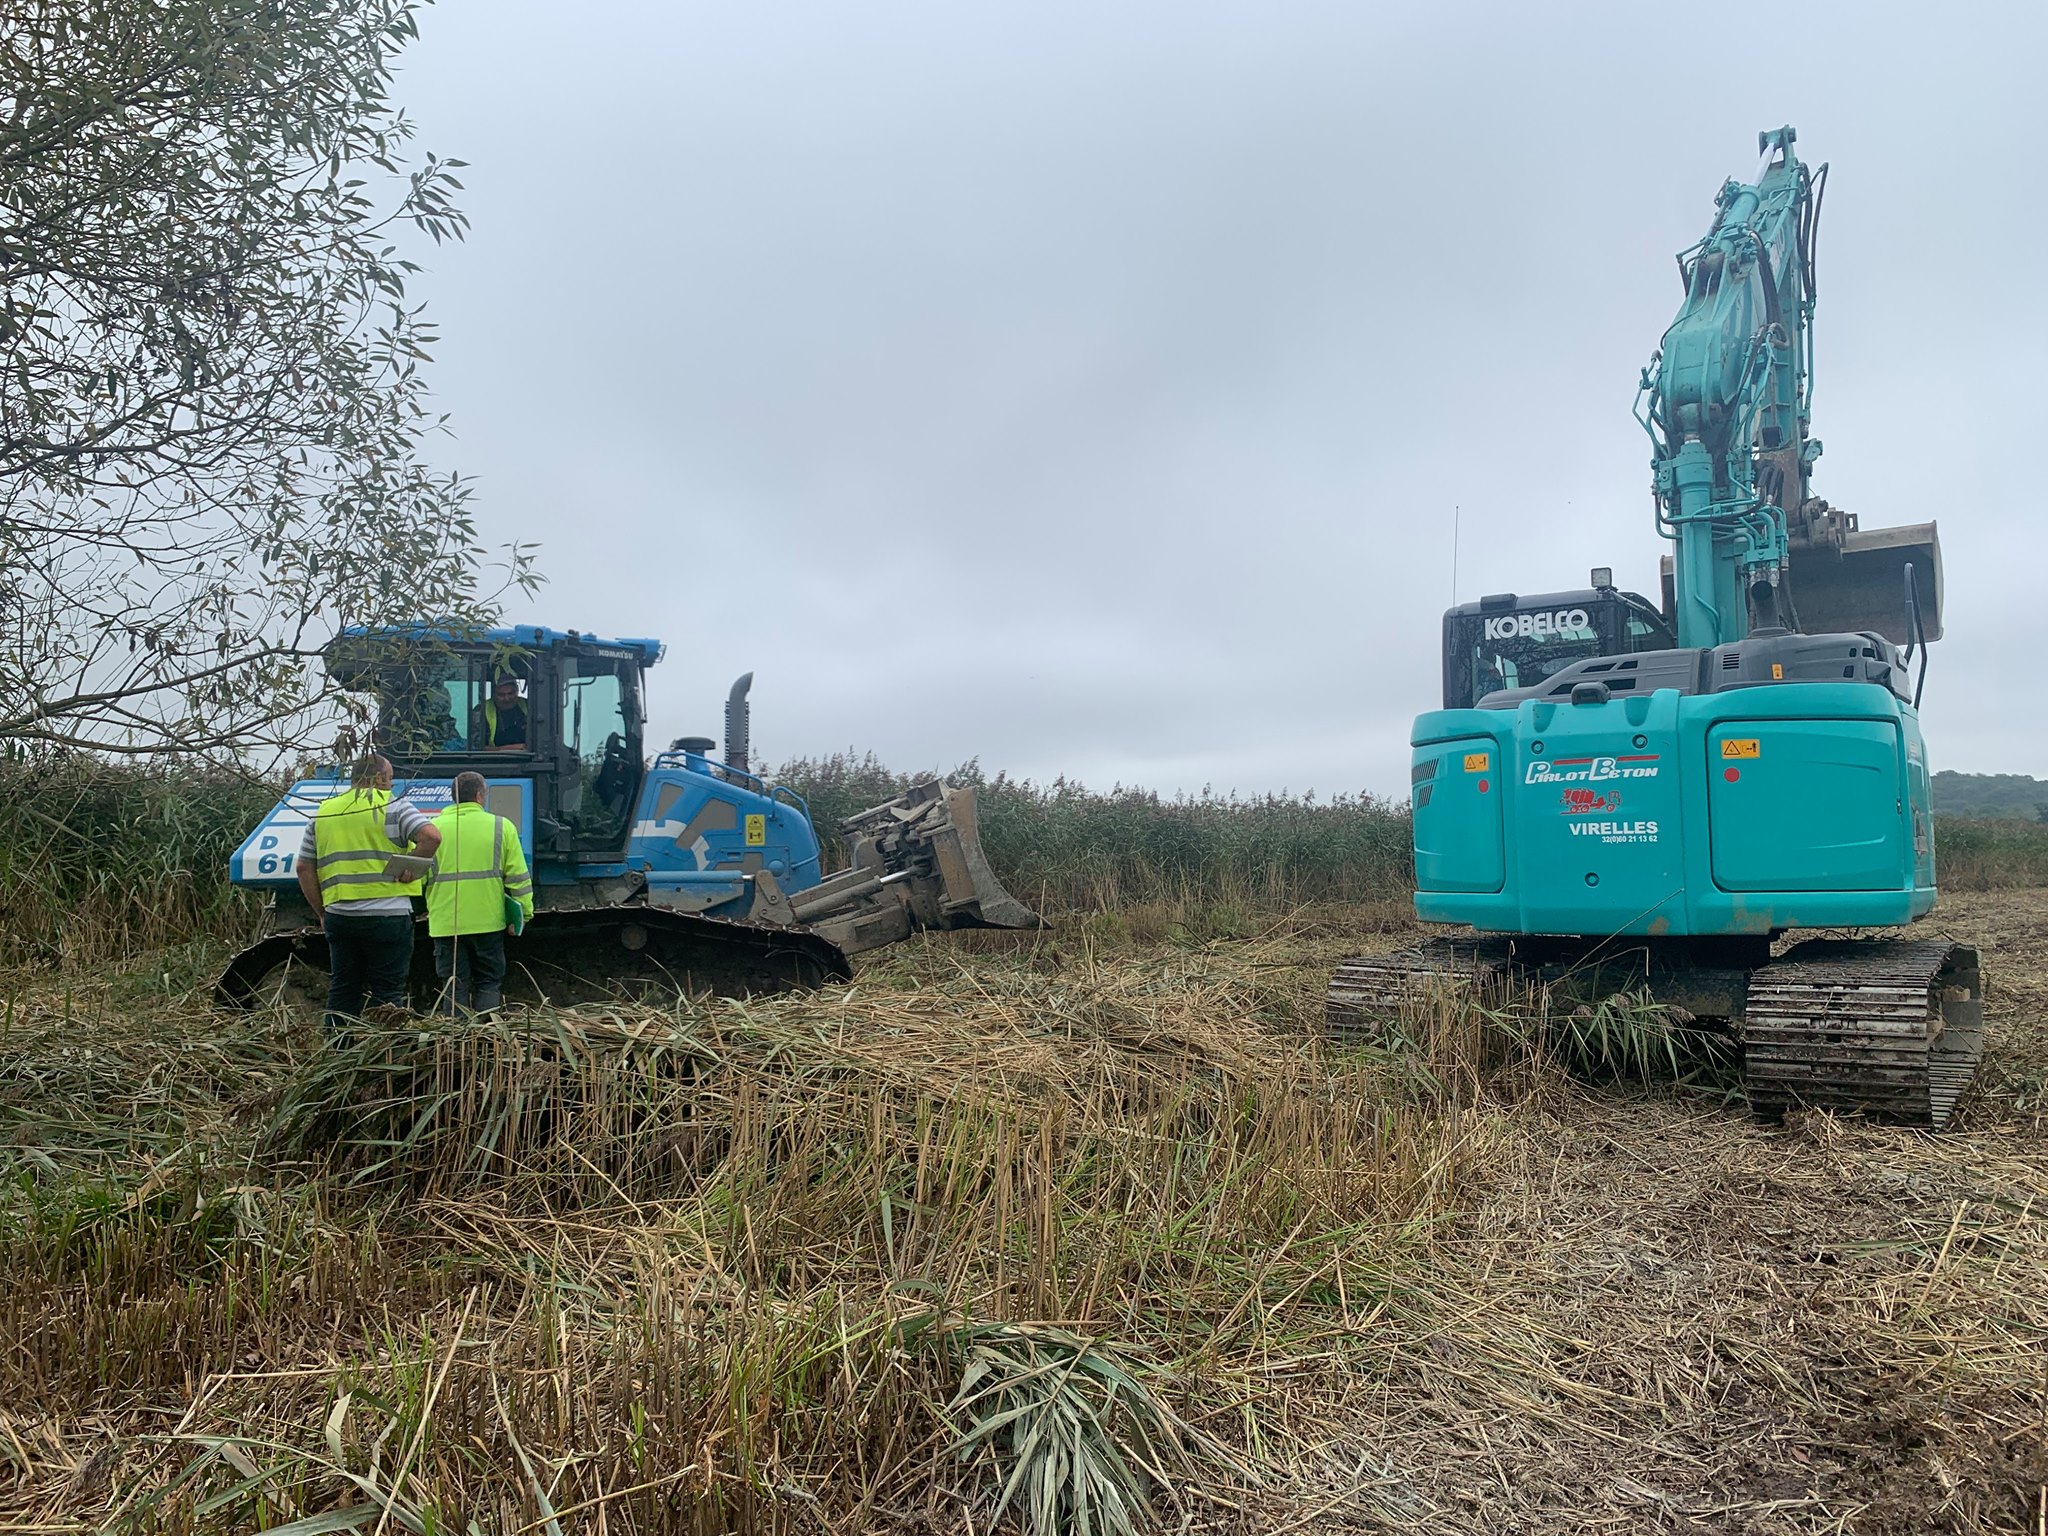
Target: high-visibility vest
(477,869)
(352,848)
(491,722)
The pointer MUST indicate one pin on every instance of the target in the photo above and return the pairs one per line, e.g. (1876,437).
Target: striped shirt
(402,823)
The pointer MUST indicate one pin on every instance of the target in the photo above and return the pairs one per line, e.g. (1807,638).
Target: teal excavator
(1622,795)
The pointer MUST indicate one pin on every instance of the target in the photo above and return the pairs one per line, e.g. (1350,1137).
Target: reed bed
(1065,845)
(1977,855)
(984,1233)
(101,860)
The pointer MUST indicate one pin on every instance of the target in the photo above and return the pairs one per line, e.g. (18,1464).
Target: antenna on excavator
(1455,512)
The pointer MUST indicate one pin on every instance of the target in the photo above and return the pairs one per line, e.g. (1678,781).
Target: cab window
(433,703)
(421,707)
(1493,662)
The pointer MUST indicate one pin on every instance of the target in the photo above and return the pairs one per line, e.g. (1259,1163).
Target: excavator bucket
(917,863)
(1861,585)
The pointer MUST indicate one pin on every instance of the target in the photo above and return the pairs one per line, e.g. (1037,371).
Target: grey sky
(1088,387)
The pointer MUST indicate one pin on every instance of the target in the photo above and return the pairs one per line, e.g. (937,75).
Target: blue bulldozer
(1626,796)
(688,873)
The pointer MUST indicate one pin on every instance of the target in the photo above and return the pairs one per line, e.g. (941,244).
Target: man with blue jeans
(366,915)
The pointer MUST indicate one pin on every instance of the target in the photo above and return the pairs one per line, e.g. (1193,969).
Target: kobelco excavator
(689,874)
(1618,794)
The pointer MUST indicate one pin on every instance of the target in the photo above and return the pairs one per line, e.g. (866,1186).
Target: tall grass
(1990,855)
(100,859)
(1058,1236)
(1067,845)
(1011,1238)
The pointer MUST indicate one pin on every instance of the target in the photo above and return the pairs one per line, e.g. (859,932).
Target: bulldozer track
(588,954)
(1368,993)
(1892,1028)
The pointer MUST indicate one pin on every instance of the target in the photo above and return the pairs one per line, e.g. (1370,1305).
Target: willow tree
(212,410)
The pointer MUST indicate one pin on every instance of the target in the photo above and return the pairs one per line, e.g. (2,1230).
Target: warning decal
(1478,762)
(757,831)
(1741,746)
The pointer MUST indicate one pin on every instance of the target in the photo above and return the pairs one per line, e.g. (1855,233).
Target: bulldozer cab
(559,708)
(1510,641)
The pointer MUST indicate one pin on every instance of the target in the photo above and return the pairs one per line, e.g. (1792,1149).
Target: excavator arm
(1727,403)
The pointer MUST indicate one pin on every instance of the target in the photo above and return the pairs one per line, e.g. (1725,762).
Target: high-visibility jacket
(477,869)
(352,847)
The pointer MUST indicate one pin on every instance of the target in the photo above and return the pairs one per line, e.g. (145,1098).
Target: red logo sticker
(1586,802)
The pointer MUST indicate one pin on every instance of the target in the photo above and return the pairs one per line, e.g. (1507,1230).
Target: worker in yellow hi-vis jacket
(344,874)
(481,890)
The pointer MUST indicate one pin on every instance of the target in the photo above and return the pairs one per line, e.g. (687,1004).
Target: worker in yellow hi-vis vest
(499,723)
(481,890)
(345,875)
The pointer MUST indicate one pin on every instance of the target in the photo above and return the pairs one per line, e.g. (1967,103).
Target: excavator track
(1888,1028)
(1370,992)
(1892,1029)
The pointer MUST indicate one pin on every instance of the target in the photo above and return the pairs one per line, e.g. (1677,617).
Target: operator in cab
(499,723)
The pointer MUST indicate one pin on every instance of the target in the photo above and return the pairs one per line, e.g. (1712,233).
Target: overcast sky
(1088,387)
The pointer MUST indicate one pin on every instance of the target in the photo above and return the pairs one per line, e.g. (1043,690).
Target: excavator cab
(1510,641)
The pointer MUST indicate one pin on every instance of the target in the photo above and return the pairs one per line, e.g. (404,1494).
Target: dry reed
(1089,1221)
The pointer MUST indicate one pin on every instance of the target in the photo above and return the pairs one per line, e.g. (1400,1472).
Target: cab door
(598,695)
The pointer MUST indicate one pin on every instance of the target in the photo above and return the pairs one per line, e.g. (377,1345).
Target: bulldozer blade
(917,864)
(1862,585)
(973,893)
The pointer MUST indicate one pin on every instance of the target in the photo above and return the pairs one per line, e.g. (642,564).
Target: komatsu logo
(1590,770)
(1510,626)
(1616,831)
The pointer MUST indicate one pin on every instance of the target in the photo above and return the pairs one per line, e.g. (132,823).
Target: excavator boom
(1727,401)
